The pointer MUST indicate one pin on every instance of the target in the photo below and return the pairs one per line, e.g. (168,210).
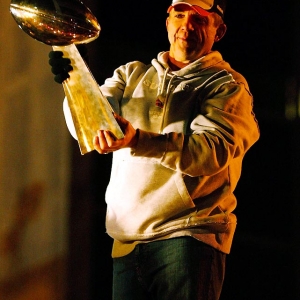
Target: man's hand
(105,142)
(61,66)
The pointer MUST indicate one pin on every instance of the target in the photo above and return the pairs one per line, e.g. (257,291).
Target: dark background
(262,43)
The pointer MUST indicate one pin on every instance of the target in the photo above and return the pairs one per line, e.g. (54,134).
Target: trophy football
(62,24)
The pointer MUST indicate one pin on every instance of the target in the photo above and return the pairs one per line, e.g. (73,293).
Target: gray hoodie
(195,126)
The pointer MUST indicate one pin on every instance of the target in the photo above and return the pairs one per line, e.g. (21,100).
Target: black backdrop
(262,43)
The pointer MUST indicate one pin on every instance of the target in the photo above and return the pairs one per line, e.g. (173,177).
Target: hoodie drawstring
(163,94)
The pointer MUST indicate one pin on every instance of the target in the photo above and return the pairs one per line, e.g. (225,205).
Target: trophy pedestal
(90,110)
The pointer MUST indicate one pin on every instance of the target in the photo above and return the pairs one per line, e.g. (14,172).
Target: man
(188,122)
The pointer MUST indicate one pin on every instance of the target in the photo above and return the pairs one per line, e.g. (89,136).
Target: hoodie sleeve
(224,129)
(114,87)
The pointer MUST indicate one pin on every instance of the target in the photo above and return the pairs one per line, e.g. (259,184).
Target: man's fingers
(110,138)
(96,141)
(98,144)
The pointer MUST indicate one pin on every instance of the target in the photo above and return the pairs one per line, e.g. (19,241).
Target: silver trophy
(63,24)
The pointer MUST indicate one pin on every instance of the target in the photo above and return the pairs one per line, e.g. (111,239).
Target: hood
(206,62)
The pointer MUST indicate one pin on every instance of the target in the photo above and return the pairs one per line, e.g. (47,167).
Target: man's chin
(189,53)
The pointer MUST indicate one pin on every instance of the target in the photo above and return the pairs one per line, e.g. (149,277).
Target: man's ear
(220,32)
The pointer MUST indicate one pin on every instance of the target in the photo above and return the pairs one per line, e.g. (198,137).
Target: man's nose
(187,23)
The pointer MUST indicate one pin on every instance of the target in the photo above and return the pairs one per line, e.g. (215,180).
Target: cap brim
(196,8)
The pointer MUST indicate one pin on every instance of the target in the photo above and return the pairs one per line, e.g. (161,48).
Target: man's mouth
(186,38)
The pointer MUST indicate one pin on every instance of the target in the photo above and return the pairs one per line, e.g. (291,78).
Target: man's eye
(179,16)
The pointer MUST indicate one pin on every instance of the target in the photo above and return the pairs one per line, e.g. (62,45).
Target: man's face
(191,35)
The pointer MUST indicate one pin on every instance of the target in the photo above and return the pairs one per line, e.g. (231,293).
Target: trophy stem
(89,108)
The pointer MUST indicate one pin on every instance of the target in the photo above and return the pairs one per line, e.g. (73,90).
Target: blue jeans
(175,269)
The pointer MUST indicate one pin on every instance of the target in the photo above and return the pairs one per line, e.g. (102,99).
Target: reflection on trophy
(62,24)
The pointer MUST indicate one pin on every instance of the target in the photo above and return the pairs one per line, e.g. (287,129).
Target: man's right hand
(61,66)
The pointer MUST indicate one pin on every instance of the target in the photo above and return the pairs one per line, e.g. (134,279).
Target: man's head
(193,27)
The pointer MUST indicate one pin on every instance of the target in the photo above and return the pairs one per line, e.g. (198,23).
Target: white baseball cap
(202,7)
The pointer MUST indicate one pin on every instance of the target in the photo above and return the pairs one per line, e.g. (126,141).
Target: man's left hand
(105,142)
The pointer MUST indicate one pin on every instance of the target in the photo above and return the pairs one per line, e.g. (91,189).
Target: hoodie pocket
(142,197)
